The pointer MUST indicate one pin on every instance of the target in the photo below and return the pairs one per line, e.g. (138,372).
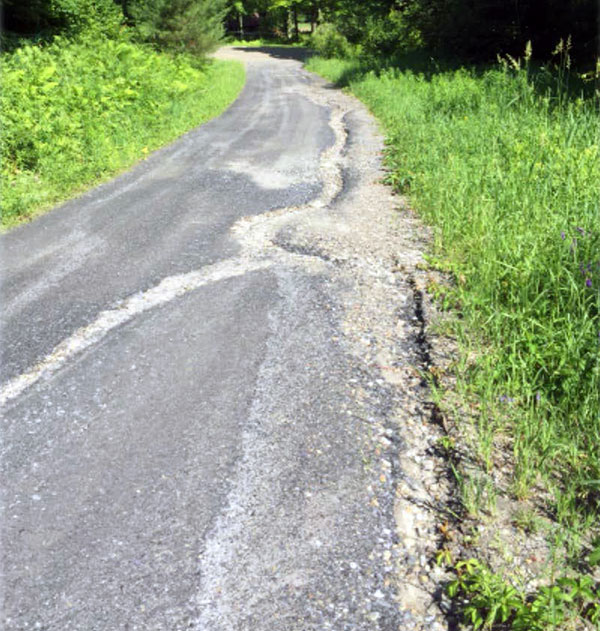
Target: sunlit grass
(261,42)
(508,173)
(504,163)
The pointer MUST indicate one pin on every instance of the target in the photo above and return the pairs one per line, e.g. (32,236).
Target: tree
(236,11)
(193,26)
(47,17)
(276,15)
(484,28)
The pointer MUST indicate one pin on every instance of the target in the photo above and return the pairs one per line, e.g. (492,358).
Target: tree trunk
(296,28)
(286,24)
(314,17)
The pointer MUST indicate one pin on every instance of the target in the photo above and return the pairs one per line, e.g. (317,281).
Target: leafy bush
(193,26)
(388,35)
(329,42)
(75,112)
(41,17)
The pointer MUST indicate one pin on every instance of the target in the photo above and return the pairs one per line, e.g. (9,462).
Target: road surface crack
(259,251)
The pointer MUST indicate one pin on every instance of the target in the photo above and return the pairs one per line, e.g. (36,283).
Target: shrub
(45,17)
(193,26)
(329,42)
(388,35)
(74,112)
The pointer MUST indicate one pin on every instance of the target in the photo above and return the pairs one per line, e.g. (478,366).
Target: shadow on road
(279,52)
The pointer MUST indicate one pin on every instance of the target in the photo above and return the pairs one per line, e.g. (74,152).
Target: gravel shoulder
(373,246)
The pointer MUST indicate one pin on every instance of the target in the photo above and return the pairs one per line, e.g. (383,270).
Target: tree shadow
(419,62)
(547,79)
(296,53)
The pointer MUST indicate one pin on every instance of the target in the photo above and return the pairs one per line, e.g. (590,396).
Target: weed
(446,443)
(508,178)
(527,520)
(489,601)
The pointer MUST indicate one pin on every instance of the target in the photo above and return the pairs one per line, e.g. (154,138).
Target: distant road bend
(199,379)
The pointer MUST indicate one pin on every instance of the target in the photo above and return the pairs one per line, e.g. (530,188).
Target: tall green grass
(506,167)
(75,112)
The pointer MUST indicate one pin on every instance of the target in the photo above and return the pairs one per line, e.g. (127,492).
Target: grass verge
(504,163)
(76,112)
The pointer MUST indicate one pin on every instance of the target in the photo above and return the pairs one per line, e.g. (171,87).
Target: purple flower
(563,236)
(588,282)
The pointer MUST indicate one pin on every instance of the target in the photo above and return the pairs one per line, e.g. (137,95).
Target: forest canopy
(194,26)
(478,29)
(475,29)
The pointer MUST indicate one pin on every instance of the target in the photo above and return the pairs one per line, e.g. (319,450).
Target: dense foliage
(485,28)
(477,30)
(76,111)
(279,18)
(85,96)
(194,26)
(42,18)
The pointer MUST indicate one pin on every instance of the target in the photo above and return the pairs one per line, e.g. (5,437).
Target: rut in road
(254,234)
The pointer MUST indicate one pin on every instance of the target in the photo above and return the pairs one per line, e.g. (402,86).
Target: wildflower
(588,282)
(563,236)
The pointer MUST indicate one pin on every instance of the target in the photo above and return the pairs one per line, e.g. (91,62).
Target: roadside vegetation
(492,118)
(90,88)
(502,158)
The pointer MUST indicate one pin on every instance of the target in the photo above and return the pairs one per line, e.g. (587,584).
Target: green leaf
(594,558)
(46,72)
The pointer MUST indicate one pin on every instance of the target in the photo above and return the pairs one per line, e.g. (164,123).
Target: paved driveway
(200,365)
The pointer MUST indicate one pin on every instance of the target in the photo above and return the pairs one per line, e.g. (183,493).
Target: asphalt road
(188,427)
